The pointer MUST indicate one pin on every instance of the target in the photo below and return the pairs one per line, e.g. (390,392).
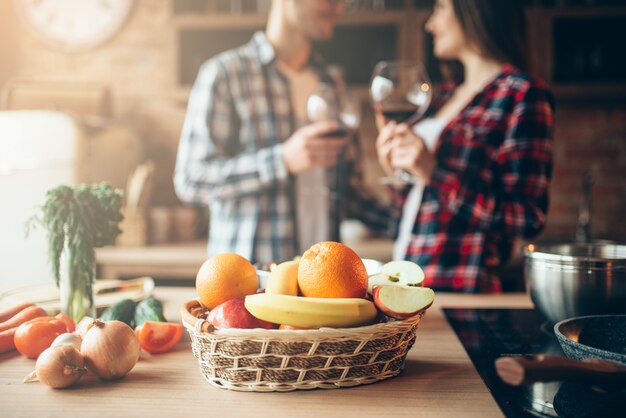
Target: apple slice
(401,302)
(397,273)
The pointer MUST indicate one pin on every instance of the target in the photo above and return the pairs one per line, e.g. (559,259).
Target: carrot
(7,340)
(25,315)
(11,312)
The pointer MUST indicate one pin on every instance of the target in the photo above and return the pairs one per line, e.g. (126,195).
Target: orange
(332,270)
(223,277)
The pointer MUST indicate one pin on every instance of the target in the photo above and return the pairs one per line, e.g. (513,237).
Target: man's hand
(308,148)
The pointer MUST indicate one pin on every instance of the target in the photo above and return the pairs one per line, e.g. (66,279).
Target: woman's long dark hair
(496,27)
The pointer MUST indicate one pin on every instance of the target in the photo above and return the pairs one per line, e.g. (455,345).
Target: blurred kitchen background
(113,86)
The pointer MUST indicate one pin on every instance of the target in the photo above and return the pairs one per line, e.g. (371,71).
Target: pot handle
(522,370)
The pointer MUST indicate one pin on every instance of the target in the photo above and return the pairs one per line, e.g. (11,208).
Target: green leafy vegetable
(80,218)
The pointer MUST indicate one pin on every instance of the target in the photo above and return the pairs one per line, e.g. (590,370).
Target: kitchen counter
(176,260)
(179,262)
(438,381)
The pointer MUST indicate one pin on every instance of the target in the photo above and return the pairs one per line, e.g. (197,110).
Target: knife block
(134,228)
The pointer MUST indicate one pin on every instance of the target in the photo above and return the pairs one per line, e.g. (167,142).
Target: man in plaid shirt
(247,151)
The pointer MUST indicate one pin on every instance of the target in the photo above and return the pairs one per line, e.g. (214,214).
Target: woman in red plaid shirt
(482,157)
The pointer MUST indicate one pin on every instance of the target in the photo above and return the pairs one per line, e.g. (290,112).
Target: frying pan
(596,336)
(595,345)
(589,338)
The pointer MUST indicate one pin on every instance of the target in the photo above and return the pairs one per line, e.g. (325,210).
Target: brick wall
(139,65)
(591,136)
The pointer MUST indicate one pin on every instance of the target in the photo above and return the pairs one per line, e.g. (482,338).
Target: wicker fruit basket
(261,360)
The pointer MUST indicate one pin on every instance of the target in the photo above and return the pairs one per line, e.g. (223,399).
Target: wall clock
(75,25)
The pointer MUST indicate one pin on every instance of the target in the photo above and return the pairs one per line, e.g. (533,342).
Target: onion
(60,366)
(83,326)
(68,338)
(111,349)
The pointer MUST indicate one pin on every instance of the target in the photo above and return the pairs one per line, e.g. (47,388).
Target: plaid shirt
(230,157)
(490,185)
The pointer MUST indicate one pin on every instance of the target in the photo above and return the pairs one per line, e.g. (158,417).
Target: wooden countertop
(438,381)
(179,260)
(182,260)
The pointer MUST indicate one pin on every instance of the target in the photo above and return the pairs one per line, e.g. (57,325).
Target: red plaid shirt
(494,164)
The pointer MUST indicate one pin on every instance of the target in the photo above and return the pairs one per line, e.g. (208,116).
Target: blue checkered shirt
(230,157)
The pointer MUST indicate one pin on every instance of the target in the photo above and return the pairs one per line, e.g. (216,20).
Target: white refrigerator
(39,150)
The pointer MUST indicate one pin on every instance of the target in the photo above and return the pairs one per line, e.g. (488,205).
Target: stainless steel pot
(568,280)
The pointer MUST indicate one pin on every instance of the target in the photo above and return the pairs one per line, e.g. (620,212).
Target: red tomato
(34,336)
(69,323)
(159,337)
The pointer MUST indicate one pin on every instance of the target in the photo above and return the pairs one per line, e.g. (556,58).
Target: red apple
(233,314)
(402,302)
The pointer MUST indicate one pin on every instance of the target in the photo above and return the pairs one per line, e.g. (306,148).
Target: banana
(303,312)
(283,280)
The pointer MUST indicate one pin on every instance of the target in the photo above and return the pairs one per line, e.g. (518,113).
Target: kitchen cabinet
(574,45)
(364,36)
(578,50)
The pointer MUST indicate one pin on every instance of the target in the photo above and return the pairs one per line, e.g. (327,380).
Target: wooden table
(438,381)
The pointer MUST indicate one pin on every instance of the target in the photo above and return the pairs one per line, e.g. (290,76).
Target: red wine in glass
(398,114)
(338,133)
(401,92)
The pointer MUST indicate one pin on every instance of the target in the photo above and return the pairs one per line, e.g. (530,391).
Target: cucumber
(124,311)
(149,309)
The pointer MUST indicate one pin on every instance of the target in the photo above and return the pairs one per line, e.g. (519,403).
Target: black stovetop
(488,334)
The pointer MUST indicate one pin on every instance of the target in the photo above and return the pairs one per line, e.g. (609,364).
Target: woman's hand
(409,153)
(384,145)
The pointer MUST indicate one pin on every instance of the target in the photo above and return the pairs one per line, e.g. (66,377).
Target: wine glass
(350,110)
(401,91)
(329,103)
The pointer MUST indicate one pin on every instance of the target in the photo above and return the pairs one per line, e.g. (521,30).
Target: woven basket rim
(301,335)
(272,360)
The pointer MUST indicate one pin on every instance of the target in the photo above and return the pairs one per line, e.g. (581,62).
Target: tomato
(34,336)
(69,323)
(159,337)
